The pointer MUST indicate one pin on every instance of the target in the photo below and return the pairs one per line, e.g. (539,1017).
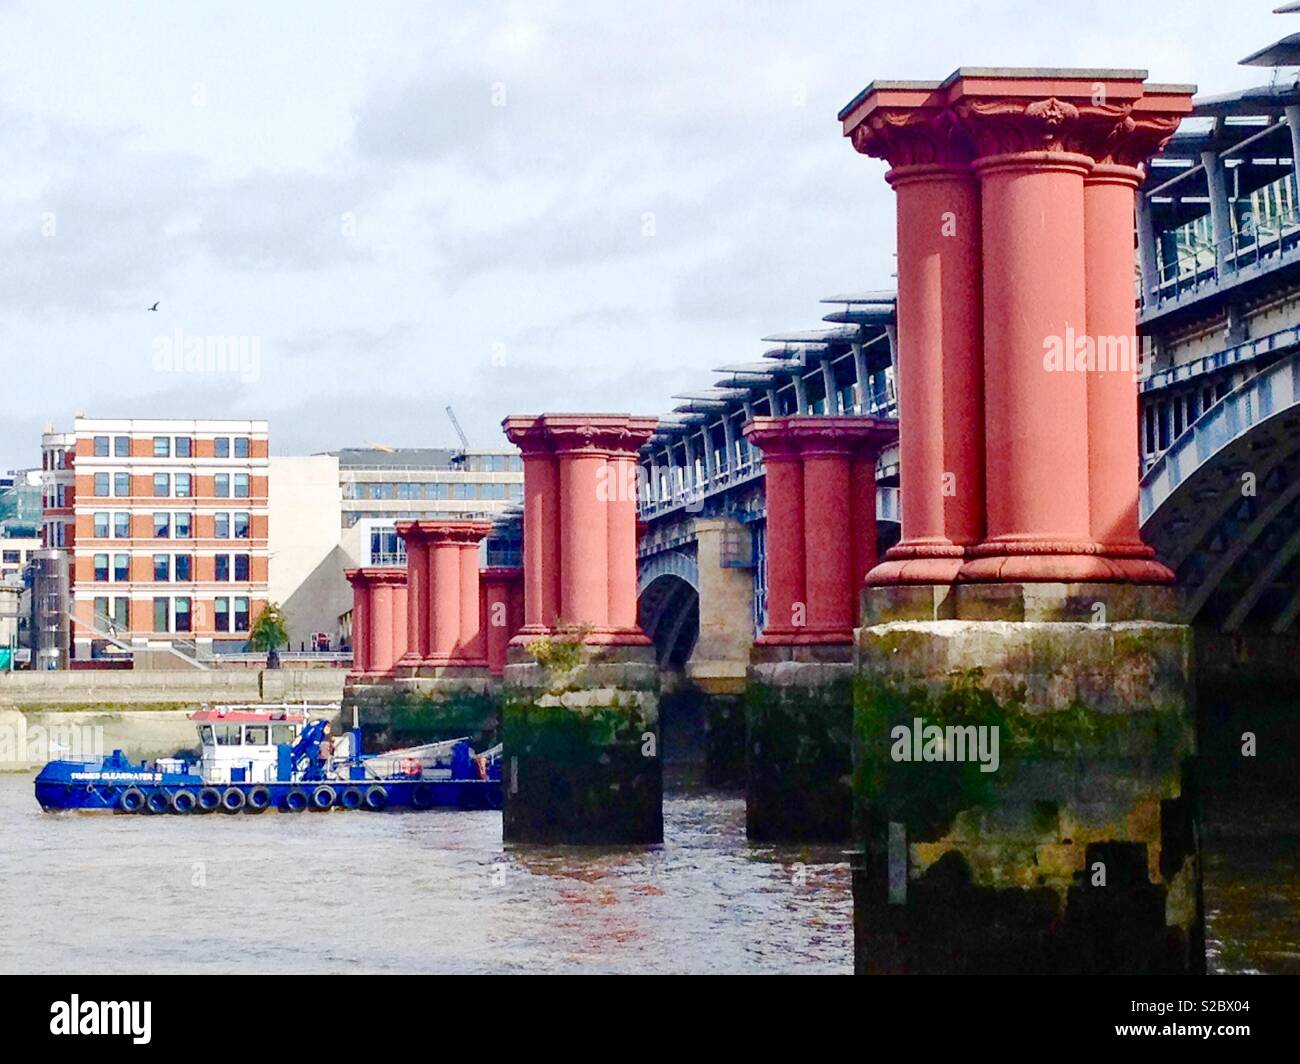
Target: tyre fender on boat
(324,796)
(259,798)
(209,800)
(422,796)
(159,802)
(183,801)
(131,800)
(296,800)
(351,799)
(233,799)
(376,798)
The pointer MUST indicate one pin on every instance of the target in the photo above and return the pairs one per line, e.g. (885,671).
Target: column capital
(608,434)
(448,531)
(366,577)
(809,435)
(1109,116)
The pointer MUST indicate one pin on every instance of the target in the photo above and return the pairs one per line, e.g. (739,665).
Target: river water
(438,892)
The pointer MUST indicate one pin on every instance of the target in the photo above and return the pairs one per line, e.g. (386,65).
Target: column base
(1024,794)
(592,636)
(804,636)
(1021,561)
(799,717)
(440,667)
(918,562)
(581,759)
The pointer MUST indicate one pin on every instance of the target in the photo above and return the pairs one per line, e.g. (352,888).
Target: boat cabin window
(255,735)
(205,734)
(227,734)
(283,734)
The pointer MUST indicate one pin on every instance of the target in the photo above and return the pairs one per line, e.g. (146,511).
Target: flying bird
(155,306)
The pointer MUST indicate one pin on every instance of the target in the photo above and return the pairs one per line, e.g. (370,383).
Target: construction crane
(464,441)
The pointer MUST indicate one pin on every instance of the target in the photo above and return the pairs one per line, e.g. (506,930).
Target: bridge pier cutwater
(1023,727)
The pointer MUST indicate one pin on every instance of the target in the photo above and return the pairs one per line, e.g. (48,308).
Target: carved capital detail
(910,137)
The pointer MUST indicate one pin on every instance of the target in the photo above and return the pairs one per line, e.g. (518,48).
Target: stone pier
(821,541)
(1024,728)
(580,719)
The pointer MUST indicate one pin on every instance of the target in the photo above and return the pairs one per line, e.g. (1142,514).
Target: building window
(101,525)
(162,526)
(122,485)
(121,525)
(183,615)
(241,615)
(11,557)
(101,446)
(162,568)
(181,522)
(101,568)
(101,612)
(161,615)
(221,614)
(241,568)
(101,484)
(221,447)
(241,485)
(162,485)
(162,447)
(241,446)
(182,485)
(221,526)
(121,568)
(221,486)
(184,568)
(122,613)
(221,567)
(241,524)
(122,446)
(184,447)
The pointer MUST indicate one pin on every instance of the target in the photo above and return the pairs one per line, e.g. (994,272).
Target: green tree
(269,632)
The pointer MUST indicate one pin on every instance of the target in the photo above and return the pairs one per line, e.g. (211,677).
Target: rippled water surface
(437,892)
(407,892)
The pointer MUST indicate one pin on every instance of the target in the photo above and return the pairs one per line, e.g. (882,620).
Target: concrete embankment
(44,716)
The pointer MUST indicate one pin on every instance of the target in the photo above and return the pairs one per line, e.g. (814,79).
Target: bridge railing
(1269,244)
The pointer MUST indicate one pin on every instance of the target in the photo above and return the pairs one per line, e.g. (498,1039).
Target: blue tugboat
(259,758)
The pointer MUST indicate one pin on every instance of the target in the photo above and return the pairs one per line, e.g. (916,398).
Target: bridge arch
(1222,505)
(668,605)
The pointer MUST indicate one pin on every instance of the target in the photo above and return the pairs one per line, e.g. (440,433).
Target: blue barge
(259,758)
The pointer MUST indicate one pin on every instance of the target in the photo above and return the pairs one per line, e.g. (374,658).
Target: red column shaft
(584,541)
(1036,417)
(621,544)
(497,622)
(828,554)
(471,646)
(444,571)
(417,595)
(1109,206)
(401,611)
(940,369)
(541,539)
(360,625)
(381,627)
(785,542)
(862,518)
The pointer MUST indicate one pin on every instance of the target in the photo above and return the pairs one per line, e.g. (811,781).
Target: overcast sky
(508,207)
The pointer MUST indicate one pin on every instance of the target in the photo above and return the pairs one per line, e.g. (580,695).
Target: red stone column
(584,543)
(541,523)
(787,599)
(821,521)
(502,611)
(360,621)
(621,540)
(1109,194)
(580,547)
(378,619)
(940,358)
(417,594)
(471,635)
